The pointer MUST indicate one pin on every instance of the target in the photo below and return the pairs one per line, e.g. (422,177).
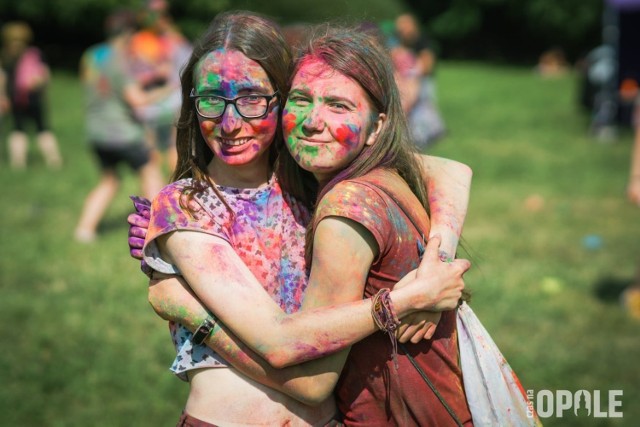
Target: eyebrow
(254,89)
(299,92)
(331,98)
(242,91)
(338,98)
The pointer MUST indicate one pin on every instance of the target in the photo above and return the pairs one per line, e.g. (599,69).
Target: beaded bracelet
(386,319)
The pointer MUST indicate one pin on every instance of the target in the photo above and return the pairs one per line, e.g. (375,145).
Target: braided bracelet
(386,319)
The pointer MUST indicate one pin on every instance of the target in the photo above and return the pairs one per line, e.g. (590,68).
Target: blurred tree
(511,29)
(292,11)
(65,28)
(483,29)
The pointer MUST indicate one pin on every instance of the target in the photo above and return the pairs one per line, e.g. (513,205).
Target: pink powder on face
(288,122)
(266,124)
(348,135)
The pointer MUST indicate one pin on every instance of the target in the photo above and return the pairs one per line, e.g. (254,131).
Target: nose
(313,122)
(231,120)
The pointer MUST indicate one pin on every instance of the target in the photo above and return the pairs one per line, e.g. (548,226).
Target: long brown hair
(259,39)
(360,56)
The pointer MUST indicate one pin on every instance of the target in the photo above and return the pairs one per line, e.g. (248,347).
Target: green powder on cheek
(312,151)
(306,151)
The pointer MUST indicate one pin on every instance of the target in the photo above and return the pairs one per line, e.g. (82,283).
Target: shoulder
(348,195)
(367,188)
(178,193)
(167,202)
(174,209)
(360,199)
(172,191)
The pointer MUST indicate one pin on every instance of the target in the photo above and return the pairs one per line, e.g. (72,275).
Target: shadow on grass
(113,223)
(609,289)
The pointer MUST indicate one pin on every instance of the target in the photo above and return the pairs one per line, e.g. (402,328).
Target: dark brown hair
(359,56)
(259,39)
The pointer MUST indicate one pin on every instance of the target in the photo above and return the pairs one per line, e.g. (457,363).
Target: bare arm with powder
(633,186)
(448,189)
(310,382)
(212,268)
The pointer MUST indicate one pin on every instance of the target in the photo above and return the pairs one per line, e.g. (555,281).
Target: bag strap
(401,345)
(431,385)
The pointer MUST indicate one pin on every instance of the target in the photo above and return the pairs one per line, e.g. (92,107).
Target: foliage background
(499,30)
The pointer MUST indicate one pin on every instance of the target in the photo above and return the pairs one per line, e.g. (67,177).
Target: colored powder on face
(311,151)
(348,135)
(288,121)
(230,72)
(267,124)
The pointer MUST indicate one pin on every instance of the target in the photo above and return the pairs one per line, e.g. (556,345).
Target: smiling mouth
(234,142)
(314,141)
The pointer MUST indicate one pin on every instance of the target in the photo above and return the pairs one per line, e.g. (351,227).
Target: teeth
(234,142)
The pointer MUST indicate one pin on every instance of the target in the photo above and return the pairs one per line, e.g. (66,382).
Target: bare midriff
(223,396)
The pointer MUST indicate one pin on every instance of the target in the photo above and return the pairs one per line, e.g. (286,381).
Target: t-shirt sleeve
(168,214)
(360,203)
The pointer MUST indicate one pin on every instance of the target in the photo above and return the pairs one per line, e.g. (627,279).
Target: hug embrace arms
(231,231)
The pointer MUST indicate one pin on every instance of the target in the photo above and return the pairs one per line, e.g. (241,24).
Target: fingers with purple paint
(138,225)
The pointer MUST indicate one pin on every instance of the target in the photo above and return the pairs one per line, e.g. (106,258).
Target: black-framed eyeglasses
(248,106)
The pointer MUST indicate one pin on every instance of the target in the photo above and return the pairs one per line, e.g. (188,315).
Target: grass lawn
(82,347)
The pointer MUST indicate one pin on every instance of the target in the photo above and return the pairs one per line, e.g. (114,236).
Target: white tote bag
(493,390)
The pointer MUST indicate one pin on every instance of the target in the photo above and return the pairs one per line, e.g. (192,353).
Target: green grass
(81,346)
(535,284)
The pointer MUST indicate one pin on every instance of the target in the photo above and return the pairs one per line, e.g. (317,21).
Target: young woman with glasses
(230,231)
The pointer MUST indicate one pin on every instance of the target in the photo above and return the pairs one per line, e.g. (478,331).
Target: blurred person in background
(114,133)
(631,296)
(27,76)
(158,53)
(552,63)
(4,102)
(414,61)
(633,186)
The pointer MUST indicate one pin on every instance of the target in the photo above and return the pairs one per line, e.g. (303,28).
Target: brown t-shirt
(371,391)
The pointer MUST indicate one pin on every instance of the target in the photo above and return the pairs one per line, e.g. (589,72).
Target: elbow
(466,171)
(314,396)
(285,355)
(315,390)
(462,169)
(278,359)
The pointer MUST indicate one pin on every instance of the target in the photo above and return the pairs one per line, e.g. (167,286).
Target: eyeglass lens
(247,106)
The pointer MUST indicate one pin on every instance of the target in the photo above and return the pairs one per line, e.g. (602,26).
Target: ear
(377,127)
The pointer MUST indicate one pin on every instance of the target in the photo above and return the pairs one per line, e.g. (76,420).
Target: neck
(323,179)
(252,175)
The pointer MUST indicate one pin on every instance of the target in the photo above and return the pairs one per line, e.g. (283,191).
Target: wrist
(404,301)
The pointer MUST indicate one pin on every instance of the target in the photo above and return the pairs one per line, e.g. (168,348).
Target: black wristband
(203,331)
